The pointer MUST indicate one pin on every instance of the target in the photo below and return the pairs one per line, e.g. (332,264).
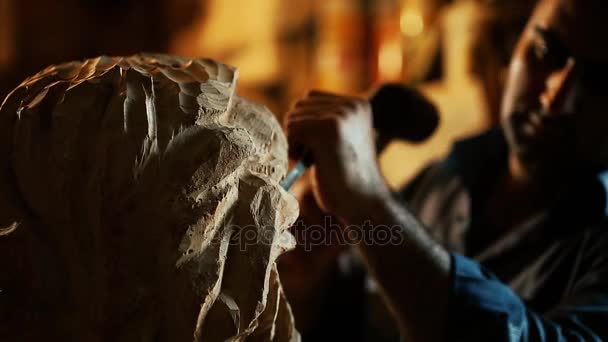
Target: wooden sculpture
(139,201)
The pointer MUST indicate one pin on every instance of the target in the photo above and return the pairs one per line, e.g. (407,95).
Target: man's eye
(549,58)
(540,50)
(548,51)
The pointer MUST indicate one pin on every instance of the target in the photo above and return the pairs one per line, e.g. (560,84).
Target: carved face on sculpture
(139,200)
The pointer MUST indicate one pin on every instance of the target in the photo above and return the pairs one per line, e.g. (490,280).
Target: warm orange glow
(411,22)
(329,59)
(390,60)
(238,32)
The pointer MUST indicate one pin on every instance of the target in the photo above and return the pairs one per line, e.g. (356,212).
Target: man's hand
(415,280)
(337,131)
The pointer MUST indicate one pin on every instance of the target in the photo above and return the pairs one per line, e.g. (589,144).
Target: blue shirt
(482,308)
(543,280)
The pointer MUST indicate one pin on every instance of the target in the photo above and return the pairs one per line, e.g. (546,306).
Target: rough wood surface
(139,202)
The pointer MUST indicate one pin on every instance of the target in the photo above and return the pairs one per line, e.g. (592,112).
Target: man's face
(555,100)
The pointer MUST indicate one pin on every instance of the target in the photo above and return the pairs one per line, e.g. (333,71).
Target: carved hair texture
(139,201)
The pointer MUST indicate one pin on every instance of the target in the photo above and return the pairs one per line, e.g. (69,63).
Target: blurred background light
(390,60)
(412,23)
(454,50)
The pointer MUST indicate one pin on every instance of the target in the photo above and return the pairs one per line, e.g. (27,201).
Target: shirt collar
(479,159)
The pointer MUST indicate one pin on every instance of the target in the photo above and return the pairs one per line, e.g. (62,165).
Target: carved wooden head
(139,201)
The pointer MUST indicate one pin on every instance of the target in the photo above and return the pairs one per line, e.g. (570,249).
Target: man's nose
(559,89)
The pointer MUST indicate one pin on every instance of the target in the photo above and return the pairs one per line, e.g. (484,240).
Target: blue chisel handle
(297,171)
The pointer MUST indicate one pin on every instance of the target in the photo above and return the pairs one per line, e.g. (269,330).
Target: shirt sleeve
(482,308)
